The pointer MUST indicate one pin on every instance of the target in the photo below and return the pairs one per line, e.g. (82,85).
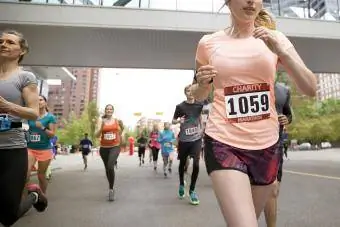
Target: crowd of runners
(243,143)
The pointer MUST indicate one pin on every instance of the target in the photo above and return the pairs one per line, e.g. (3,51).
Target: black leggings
(109,156)
(155,152)
(192,149)
(141,152)
(13,174)
(285,149)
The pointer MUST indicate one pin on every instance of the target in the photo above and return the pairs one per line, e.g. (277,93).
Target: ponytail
(265,19)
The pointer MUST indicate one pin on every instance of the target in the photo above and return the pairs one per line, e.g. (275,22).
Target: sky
(143,90)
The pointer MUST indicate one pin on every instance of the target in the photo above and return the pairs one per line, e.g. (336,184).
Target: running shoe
(194,198)
(170,170)
(181,192)
(111,195)
(41,204)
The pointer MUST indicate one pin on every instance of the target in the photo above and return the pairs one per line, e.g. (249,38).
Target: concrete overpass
(56,73)
(91,36)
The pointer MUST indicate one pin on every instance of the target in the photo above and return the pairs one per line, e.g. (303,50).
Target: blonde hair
(265,19)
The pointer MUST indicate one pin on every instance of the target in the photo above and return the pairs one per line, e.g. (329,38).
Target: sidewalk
(316,155)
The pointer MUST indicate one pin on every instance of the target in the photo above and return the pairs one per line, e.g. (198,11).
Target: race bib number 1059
(247,103)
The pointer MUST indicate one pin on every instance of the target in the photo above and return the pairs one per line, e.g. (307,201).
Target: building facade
(328,86)
(73,96)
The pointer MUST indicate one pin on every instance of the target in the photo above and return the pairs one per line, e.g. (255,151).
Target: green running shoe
(181,192)
(194,198)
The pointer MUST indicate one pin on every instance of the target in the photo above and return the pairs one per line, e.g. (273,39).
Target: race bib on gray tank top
(11,90)
(191,128)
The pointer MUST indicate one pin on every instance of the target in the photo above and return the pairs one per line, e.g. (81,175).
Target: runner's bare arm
(200,92)
(177,115)
(51,130)
(30,95)
(304,79)
(121,125)
(201,121)
(287,110)
(173,138)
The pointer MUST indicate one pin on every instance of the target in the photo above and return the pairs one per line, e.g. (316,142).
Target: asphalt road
(310,196)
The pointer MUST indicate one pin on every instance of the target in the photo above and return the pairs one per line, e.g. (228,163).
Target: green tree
(329,106)
(316,122)
(75,128)
(334,128)
(92,115)
(313,121)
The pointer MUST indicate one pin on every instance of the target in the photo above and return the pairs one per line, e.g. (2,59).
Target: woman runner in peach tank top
(110,130)
(241,152)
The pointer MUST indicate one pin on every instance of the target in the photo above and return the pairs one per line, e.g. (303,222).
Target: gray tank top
(11,90)
(281,95)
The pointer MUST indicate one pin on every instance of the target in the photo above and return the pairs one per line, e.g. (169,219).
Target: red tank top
(110,134)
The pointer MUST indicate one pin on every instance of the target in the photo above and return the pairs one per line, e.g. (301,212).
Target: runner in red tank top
(110,136)
(110,130)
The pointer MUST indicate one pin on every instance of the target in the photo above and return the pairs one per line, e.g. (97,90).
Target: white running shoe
(111,195)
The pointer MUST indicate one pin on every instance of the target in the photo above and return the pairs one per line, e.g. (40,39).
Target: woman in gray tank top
(19,101)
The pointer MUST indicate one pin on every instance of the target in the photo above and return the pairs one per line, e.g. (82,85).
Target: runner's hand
(270,38)
(283,120)
(205,74)
(38,124)
(4,105)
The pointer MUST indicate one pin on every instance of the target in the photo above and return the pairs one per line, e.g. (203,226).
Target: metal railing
(316,9)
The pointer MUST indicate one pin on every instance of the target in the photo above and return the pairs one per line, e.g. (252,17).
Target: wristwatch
(44,129)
